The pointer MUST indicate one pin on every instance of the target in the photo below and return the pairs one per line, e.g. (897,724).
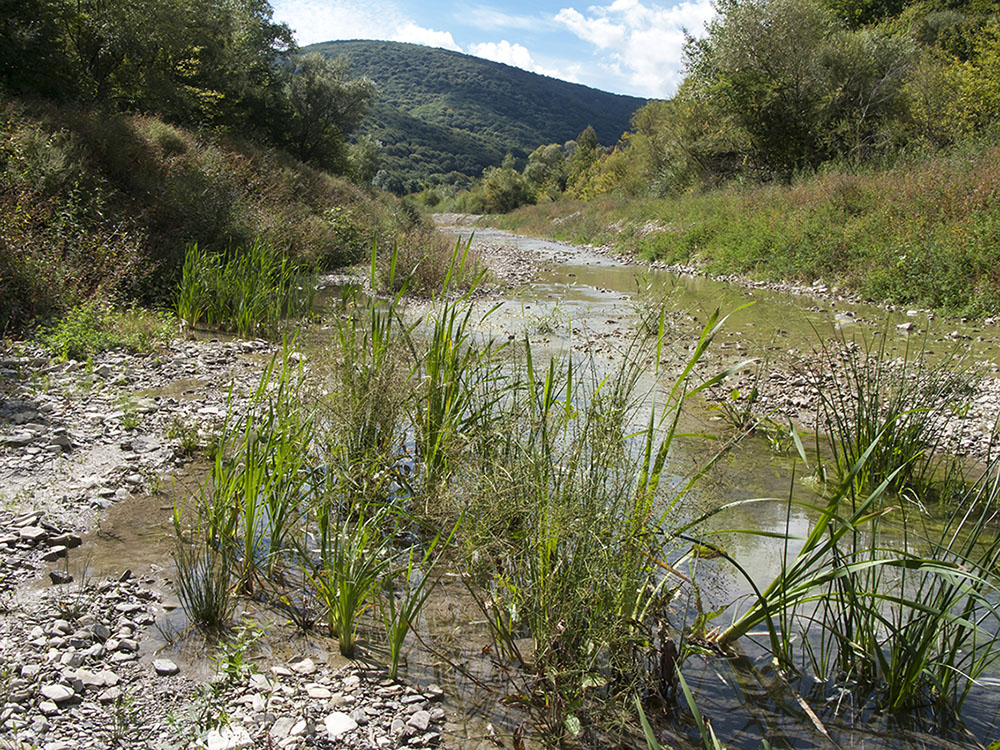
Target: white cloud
(519,56)
(644,41)
(323,20)
(600,32)
(491,19)
(320,20)
(411,32)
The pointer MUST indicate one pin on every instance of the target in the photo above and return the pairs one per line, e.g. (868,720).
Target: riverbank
(86,612)
(93,456)
(920,235)
(795,369)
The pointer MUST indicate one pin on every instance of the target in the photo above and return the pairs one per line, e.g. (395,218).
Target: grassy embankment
(924,234)
(101,209)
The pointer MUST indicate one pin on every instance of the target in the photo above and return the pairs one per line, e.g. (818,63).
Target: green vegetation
(852,143)
(104,205)
(206,63)
(562,512)
(923,234)
(443,116)
(252,291)
(94,327)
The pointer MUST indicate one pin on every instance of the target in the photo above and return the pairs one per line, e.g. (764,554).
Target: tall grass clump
(248,291)
(566,531)
(894,410)
(372,381)
(458,379)
(425,264)
(204,584)
(355,550)
(899,619)
(264,467)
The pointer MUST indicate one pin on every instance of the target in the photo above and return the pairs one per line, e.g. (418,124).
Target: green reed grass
(564,522)
(249,291)
(204,584)
(372,379)
(899,407)
(262,470)
(905,624)
(354,553)
(450,373)
(399,616)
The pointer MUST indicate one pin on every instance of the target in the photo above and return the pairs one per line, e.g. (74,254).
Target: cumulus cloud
(519,56)
(643,41)
(411,32)
(322,20)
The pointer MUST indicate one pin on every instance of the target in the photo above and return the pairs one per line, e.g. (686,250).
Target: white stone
(338,723)
(232,737)
(57,693)
(282,728)
(318,692)
(304,666)
(420,720)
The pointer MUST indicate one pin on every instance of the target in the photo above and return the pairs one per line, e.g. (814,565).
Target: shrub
(95,326)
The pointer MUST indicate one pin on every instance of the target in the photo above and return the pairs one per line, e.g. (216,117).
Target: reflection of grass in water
(901,628)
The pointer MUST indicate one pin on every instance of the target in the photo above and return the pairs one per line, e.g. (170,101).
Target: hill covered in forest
(442,114)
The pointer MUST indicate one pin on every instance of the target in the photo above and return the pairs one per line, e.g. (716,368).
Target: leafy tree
(326,105)
(584,155)
(504,189)
(366,158)
(546,171)
(792,85)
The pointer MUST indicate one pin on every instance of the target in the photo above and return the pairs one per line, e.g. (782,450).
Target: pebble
(165,667)
(339,723)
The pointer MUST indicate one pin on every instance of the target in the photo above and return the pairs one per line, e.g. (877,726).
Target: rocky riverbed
(80,660)
(79,666)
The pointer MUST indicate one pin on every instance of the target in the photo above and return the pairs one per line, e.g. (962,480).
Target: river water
(589,305)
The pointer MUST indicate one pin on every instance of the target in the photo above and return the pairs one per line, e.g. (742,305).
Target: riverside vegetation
(354,481)
(842,141)
(549,487)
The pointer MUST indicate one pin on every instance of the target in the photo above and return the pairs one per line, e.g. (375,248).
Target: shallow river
(588,304)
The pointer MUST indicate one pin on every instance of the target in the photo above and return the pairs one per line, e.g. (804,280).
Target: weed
(231,653)
(250,291)
(94,327)
(186,435)
(353,557)
(124,721)
(204,580)
(894,411)
(131,416)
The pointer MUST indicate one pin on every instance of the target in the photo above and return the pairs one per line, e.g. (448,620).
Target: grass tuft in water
(249,291)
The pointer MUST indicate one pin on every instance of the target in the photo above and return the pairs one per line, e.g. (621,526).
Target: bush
(95,327)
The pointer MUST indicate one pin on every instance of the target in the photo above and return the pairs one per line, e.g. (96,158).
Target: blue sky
(625,46)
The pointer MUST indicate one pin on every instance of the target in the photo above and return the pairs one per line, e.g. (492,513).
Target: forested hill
(439,112)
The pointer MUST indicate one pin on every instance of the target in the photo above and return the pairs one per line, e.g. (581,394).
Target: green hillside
(440,113)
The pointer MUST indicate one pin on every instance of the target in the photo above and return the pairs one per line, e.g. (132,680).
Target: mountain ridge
(444,116)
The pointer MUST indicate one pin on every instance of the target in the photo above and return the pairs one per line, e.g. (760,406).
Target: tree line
(225,65)
(776,89)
